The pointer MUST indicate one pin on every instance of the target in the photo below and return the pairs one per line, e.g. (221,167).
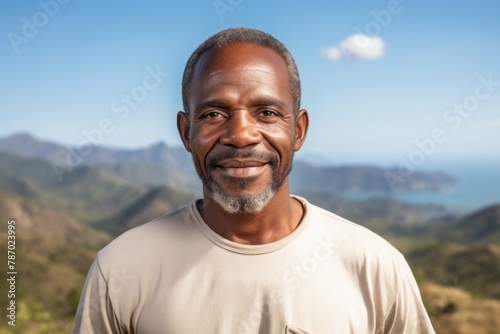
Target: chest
(312,293)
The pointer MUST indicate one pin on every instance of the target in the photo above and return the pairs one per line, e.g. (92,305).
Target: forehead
(240,56)
(237,64)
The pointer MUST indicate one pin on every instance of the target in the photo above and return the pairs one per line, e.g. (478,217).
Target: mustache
(212,162)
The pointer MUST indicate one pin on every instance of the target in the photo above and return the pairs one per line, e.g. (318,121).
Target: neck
(276,221)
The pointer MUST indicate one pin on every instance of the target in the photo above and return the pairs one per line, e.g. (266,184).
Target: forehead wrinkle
(239,79)
(240,72)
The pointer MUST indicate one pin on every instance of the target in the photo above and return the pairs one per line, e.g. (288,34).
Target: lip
(241,168)
(241,163)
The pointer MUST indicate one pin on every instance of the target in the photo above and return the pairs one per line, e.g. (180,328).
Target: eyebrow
(221,104)
(212,104)
(265,102)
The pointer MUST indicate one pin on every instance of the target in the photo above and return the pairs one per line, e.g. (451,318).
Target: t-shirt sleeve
(407,314)
(95,311)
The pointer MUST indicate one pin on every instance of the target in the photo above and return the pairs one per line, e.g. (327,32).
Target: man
(248,257)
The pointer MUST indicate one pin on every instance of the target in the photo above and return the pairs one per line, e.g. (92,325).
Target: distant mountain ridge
(161,164)
(27,145)
(363,178)
(158,164)
(480,226)
(374,210)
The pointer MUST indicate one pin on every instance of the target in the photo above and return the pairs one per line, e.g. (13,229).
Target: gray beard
(241,205)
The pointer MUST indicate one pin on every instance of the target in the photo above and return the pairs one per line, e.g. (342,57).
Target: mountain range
(161,164)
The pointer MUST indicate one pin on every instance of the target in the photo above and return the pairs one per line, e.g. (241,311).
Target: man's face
(242,129)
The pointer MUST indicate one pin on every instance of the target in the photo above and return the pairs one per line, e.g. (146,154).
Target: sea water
(478,187)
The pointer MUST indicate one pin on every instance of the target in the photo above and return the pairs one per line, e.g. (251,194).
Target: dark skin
(241,102)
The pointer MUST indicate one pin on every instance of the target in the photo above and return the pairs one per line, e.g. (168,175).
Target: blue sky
(68,75)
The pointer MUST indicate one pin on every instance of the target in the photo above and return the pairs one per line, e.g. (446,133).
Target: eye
(212,114)
(268,113)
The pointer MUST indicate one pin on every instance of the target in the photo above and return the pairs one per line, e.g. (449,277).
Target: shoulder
(146,241)
(348,232)
(359,249)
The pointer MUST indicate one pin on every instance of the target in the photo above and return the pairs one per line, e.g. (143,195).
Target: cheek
(281,139)
(202,142)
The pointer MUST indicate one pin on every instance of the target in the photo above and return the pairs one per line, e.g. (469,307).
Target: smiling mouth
(241,168)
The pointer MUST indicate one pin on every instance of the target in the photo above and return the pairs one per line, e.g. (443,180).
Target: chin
(242,203)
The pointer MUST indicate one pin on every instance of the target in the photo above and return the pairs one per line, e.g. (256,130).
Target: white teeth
(242,171)
(242,164)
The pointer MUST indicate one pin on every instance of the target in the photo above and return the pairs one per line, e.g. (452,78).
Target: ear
(301,127)
(183,126)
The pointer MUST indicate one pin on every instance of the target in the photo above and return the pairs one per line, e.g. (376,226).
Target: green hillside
(480,226)
(53,254)
(473,268)
(153,204)
(88,193)
(382,215)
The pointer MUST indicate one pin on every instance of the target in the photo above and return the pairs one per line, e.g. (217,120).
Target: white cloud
(356,47)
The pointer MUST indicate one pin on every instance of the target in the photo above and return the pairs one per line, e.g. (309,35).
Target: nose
(240,130)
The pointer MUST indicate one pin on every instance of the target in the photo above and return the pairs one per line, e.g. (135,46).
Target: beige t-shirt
(176,275)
